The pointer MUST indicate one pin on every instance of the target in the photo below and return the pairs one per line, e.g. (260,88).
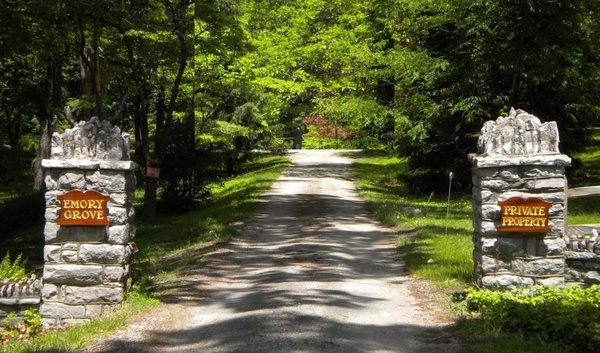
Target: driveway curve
(309,272)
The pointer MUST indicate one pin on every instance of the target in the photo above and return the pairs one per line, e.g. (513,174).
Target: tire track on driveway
(310,272)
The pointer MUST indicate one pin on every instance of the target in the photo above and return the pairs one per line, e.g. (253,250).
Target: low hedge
(569,316)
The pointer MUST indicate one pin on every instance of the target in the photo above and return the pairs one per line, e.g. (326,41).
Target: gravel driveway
(310,272)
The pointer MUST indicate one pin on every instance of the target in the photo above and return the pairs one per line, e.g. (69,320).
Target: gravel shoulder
(309,272)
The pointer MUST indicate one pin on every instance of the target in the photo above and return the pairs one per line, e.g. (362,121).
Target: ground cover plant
(167,250)
(569,316)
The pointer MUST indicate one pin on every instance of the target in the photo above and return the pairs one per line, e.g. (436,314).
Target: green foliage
(569,316)
(464,62)
(21,328)
(230,201)
(13,269)
(74,338)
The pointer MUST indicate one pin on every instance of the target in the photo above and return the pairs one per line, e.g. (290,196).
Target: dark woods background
(201,84)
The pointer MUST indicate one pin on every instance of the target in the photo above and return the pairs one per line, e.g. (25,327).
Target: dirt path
(309,273)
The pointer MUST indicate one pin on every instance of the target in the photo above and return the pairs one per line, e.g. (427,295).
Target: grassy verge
(588,162)
(71,340)
(433,247)
(584,210)
(167,250)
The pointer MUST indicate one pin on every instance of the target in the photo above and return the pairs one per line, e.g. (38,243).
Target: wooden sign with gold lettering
(524,215)
(83,208)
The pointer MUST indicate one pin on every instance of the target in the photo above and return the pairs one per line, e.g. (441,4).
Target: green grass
(71,340)
(584,210)
(167,251)
(170,248)
(589,158)
(430,251)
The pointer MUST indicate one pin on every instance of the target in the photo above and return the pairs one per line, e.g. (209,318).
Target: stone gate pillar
(89,228)
(519,203)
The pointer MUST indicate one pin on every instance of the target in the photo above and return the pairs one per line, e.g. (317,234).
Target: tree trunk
(96,63)
(164,113)
(150,188)
(48,113)
(43,153)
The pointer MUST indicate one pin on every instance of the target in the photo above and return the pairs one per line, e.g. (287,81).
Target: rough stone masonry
(87,267)
(518,158)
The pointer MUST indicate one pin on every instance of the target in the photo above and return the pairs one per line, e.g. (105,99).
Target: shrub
(569,316)
(17,328)
(14,270)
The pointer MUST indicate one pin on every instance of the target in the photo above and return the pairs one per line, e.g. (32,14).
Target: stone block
(50,292)
(542,171)
(107,181)
(62,311)
(69,256)
(52,214)
(488,264)
(102,253)
(540,267)
(551,247)
(591,277)
(487,228)
(52,198)
(118,165)
(572,275)
(71,246)
(50,231)
(488,245)
(557,210)
(71,180)
(490,212)
(119,234)
(506,281)
(93,311)
(73,274)
(119,199)
(92,295)
(488,196)
(558,282)
(50,181)
(557,227)
(52,253)
(546,183)
(506,174)
(501,185)
(116,274)
(117,215)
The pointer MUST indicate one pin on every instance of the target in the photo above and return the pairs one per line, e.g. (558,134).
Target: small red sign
(524,215)
(152,172)
(83,208)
